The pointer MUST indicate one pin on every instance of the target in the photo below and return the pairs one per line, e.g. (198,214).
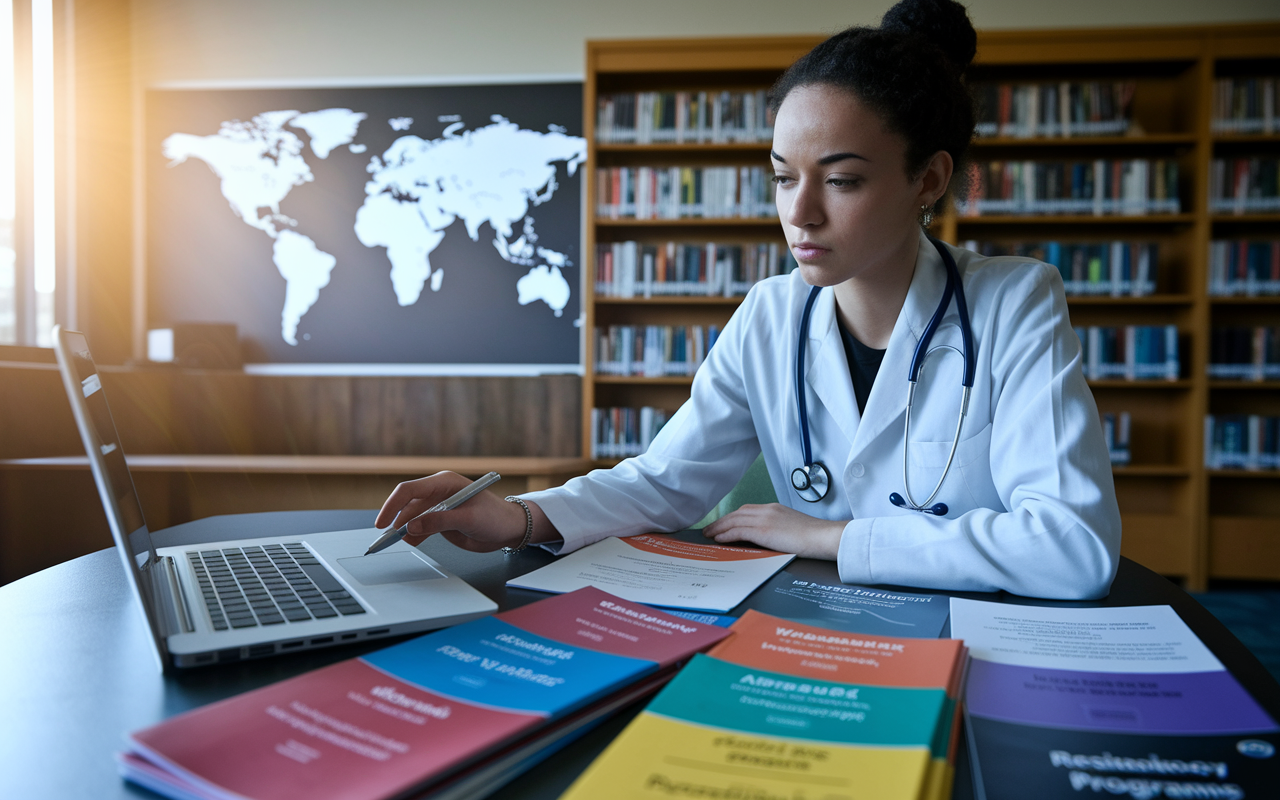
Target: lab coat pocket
(968,484)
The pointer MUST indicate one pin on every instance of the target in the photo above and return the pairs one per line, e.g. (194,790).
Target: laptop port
(291,645)
(322,640)
(229,655)
(259,650)
(205,658)
(378,632)
(347,636)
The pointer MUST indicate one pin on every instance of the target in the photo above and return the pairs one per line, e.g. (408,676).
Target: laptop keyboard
(244,587)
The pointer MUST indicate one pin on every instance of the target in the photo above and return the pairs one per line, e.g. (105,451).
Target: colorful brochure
(780,645)
(860,609)
(417,714)
(1121,701)
(727,730)
(661,570)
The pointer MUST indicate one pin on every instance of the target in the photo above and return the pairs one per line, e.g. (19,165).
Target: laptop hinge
(174,604)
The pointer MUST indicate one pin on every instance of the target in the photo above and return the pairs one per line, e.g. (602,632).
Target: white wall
(223,41)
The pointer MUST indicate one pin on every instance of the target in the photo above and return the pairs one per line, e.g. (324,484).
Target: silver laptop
(251,598)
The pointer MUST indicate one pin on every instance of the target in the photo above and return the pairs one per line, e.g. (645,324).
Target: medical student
(812,370)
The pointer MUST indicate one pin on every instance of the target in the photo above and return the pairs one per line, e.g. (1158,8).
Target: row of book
(624,432)
(1130,352)
(681,192)
(652,350)
(1101,187)
(637,269)
(1115,269)
(1115,430)
(1244,185)
(1245,354)
(1245,105)
(1058,109)
(683,117)
(1241,441)
(1244,267)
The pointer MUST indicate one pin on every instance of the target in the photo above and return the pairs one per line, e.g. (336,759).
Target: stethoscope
(812,481)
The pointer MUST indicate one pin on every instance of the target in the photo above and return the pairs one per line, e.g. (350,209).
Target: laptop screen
(83,383)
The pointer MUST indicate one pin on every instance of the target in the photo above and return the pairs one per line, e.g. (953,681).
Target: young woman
(1004,485)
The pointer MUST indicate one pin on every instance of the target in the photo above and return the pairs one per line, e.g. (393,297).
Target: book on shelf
(691,117)
(1062,703)
(788,709)
(418,715)
(653,350)
(1245,354)
(1089,269)
(1130,352)
(1054,109)
(1241,441)
(1115,430)
(713,269)
(1244,186)
(625,432)
(1245,105)
(684,193)
(1244,267)
(1102,187)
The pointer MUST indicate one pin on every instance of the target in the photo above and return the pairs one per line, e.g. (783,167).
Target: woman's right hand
(483,524)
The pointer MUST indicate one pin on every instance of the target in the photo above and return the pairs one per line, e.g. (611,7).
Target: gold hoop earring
(926,216)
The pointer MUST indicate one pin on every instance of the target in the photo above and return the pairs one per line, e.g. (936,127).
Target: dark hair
(909,71)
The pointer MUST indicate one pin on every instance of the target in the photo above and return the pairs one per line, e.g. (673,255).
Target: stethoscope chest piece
(811,482)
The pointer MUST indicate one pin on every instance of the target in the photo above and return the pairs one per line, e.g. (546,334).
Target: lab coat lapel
(827,370)
(888,399)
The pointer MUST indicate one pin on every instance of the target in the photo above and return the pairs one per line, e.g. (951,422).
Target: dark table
(77,670)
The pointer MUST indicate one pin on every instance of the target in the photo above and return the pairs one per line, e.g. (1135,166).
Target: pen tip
(367,552)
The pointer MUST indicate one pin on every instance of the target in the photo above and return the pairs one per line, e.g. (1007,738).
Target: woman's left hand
(779,528)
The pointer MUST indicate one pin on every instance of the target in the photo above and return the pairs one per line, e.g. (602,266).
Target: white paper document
(660,570)
(1143,639)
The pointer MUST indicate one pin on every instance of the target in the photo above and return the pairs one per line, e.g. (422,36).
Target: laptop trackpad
(381,568)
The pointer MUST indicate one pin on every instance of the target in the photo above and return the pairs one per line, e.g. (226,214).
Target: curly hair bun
(944,23)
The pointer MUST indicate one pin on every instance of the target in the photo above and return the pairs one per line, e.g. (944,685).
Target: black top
(864,363)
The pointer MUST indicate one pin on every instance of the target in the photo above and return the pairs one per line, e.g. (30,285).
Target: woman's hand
(483,524)
(779,528)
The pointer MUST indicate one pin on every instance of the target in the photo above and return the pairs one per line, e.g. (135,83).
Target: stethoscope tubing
(954,288)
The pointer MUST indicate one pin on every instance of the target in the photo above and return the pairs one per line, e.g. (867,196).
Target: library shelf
(1244,386)
(1080,219)
(1245,300)
(1143,140)
(769,223)
(1171,505)
(640,380)
(1271,219)
(1265,474)
(672,300)
(687,147)
(1144,384)
(1124,300)
(1151,471)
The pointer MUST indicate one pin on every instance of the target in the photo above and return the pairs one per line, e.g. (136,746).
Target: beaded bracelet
(528,526)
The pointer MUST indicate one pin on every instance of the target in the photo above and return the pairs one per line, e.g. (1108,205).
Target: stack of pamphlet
(783,709)
(1115,702)
(457,712)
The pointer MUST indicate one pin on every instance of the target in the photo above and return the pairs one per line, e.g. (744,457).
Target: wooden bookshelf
(1179,518)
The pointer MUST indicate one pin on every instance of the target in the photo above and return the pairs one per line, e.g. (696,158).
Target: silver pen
(394,535)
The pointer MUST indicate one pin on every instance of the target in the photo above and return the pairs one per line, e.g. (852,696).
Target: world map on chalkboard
(347,213)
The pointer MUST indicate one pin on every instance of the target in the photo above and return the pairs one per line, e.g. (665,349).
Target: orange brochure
(776,644)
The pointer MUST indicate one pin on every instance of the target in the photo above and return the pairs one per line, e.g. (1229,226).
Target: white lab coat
(1032,506)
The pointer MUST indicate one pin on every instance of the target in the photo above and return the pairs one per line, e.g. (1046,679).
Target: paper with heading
(660,570)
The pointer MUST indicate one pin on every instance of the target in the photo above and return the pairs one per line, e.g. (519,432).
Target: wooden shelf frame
(1166,507)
